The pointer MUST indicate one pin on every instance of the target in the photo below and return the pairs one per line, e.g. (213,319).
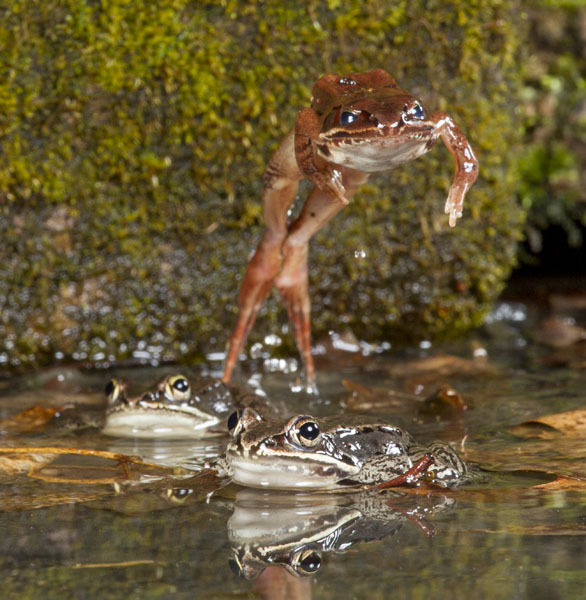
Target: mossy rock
(134,136)
(552,169)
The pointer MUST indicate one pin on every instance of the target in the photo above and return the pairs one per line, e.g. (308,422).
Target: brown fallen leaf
(28,420)
(425,373)
(571,423)
(445,402)
(564,483)
(11,502)
(366,398)
(34,460)
(13,464)
(573,356)
(559,332)
(445,365)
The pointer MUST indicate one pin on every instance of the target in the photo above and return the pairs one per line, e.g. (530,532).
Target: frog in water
(174,408)
(335,453)
(357,124)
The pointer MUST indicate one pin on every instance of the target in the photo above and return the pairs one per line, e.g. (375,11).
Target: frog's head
(369,123)
(170,409)
(304,452)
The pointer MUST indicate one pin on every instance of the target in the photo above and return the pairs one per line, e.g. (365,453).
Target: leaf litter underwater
(86,515)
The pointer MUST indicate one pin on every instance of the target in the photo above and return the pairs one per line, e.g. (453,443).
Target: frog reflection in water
(358,124)
(293,531)
(306,453)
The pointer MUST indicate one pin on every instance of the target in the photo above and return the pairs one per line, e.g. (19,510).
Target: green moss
(133,140)
(552,171)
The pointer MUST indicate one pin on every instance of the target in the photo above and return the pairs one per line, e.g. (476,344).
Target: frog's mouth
(288,473)
(149,419)
(372,154)
(379,134)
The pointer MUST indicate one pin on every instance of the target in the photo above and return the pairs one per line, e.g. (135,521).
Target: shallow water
(520,535)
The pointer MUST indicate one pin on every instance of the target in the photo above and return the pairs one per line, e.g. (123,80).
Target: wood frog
(358,124)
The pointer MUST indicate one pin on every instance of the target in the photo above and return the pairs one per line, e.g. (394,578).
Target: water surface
(520,535)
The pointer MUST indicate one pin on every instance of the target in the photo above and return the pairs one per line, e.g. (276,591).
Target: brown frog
(358,124)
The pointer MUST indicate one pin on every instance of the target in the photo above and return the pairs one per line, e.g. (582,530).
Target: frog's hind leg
(280,186)
(256,286)
(294,288)
(292,281)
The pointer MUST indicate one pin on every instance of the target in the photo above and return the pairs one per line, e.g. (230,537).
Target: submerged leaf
(364,398)
(444,364)
(12,464)
(28,420)
(570,423)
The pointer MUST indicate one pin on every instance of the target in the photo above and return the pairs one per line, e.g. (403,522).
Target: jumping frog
(332,454)
(357,124)
(176,408)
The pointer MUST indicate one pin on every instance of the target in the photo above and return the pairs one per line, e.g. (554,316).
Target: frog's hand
(466,163)
(324,176)
(409,477)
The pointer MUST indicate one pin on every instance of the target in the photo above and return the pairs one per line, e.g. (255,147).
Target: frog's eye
(304,432)
(112,391)
(306,562)
(235,567)
(414,113)
(241,420)
(347,117)
(234,423)
(178,494)
(177,388)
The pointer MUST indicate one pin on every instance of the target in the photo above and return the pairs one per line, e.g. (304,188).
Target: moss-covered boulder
(133,136)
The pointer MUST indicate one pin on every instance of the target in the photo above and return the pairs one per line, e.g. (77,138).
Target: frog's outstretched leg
(466,163)
(292,281)
(280,184)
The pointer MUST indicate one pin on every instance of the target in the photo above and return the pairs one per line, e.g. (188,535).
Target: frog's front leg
(280,184)
(409,477)
(325,176)
(466,163)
